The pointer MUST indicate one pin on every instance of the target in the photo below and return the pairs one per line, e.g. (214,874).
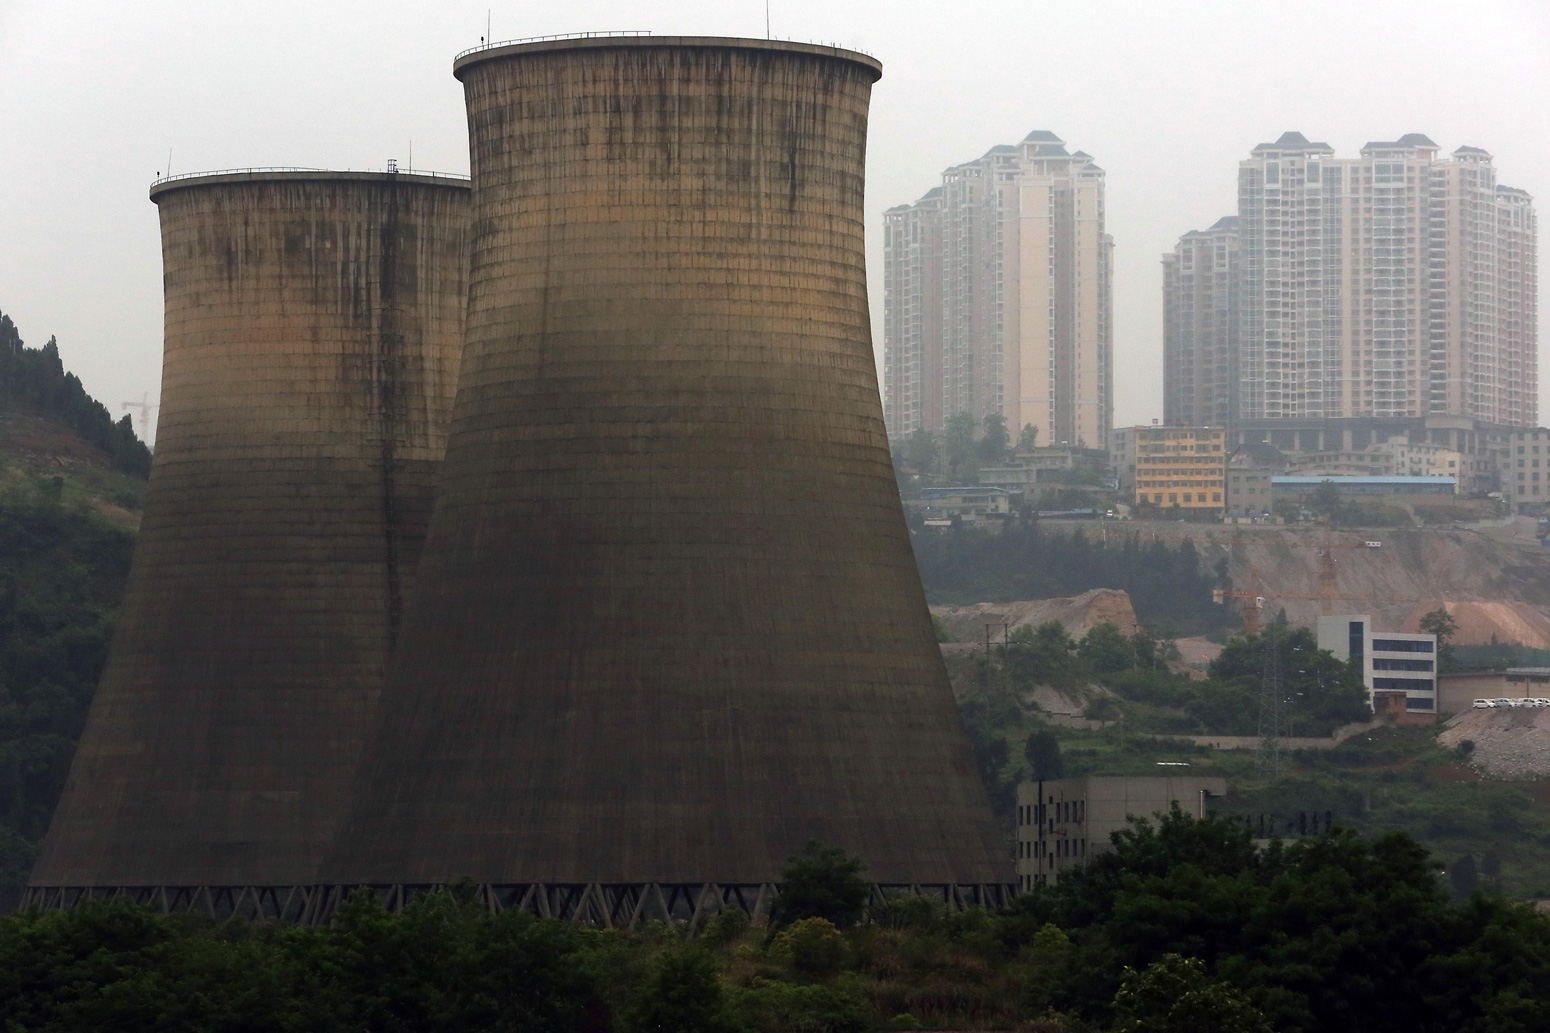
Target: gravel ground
(1509,744)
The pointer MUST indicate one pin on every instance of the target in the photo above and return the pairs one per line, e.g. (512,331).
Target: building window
(1399,645)
(1383,664)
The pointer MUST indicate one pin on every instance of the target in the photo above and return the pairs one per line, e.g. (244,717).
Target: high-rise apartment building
(1399,284)
(1200,326)
(997,297)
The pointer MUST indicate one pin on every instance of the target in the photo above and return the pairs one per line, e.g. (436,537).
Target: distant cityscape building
(1249,470)
(997,297)
(1399,284)
(1482,446)
(1200,326)
(1525,473)
(1062,822)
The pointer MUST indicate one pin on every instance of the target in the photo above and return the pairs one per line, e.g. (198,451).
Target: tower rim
(168,184)
(495,51)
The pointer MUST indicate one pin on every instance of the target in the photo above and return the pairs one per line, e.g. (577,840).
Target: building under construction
(668,626)
(313,330)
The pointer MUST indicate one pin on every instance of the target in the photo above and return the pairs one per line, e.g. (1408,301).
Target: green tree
(1106,650)
(1028,440)
(1047,955)
(962,457)
(683,996)
(1441,623)
(1325,499)
(1043,655)
(1173,995)
(823,882)
(993,445)
(1321,692)
(815,947)
(921,449)
(1042,751)
(1463,876)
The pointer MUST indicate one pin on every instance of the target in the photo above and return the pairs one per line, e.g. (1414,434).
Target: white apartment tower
(997,297)
(1397,284)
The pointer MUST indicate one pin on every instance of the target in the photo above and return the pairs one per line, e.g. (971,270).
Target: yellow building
(1181,466)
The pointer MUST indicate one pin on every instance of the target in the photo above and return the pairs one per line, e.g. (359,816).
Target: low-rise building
(1458,692)
(1026,468)
(1399,668)
(1367,463)
(1249,470)
(1181,466)
(1410,459)
(1301,488)
(969,505)
(1525,474)
(1062,822)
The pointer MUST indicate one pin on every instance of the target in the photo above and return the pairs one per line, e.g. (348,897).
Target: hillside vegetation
(68,512)
(1186,927)
(35,379)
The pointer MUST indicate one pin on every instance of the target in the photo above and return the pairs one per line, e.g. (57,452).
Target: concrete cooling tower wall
(668,625)
(313,331)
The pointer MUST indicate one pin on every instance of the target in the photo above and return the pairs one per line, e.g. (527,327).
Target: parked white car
(1500,702)
(1483,704)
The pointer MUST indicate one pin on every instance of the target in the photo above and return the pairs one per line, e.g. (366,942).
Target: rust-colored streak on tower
(669,626)
(313,332)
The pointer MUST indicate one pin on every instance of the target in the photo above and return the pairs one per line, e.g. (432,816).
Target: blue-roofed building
(1303,487)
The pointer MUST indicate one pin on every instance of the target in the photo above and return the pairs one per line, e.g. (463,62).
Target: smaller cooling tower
(314,326)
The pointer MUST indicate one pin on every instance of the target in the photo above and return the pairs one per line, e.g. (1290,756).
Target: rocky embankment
(1511,744)
(1078,613)
(1494,578)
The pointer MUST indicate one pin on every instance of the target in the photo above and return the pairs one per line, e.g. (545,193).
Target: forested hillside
(35,379)
(1027,561)
(68,502)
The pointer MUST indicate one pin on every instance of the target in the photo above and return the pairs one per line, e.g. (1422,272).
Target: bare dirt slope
(1509,744)
(1078,613)
(1414,570)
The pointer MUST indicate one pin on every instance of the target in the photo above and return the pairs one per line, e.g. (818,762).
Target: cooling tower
(313,330)
(668,625)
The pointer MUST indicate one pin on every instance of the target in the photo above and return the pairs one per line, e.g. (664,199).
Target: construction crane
(1254,595)
(146,408)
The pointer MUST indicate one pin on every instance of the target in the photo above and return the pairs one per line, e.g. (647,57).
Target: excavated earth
(1494,577)
(1509,744)
(1078,613)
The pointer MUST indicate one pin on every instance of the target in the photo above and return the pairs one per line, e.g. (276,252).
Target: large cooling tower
(314,325)
(668,625)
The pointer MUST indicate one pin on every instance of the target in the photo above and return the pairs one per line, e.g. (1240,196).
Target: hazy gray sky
(1167,95)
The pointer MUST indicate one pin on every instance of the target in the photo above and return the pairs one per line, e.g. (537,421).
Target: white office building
(1393,663)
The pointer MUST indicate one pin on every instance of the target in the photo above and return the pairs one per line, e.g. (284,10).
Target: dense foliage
(1185,926)
(1025,561)
(35,378)
(62,571)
